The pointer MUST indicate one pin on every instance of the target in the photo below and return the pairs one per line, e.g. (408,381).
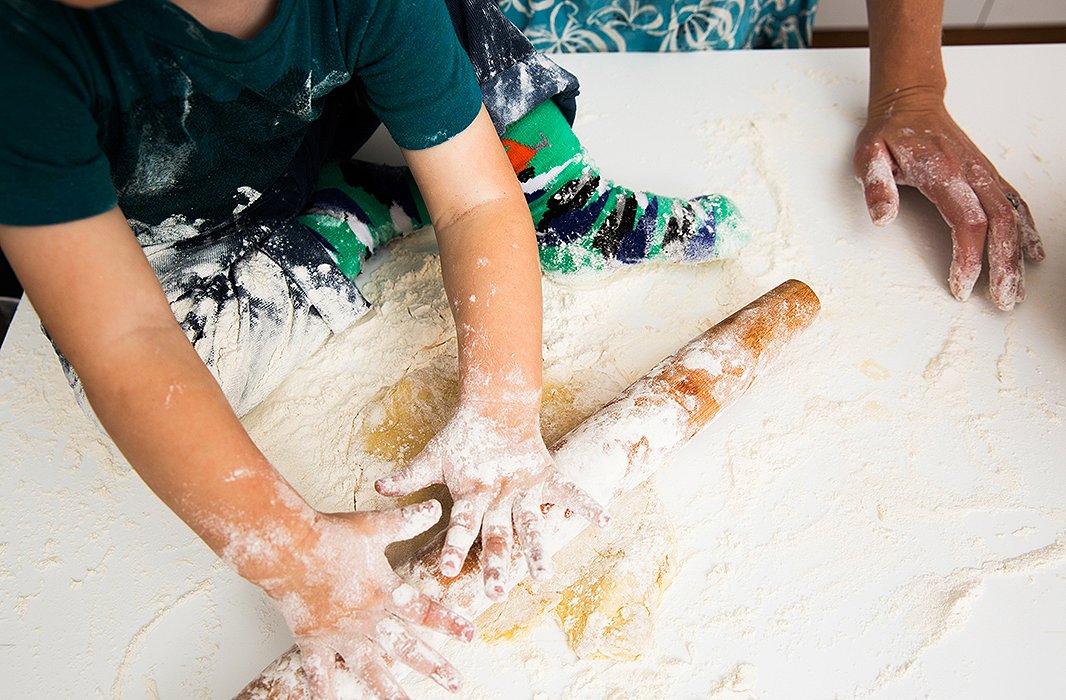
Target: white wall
(1012,12)
(849,14)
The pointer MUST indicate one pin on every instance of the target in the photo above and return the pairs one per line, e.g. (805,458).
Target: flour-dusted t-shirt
(138,104)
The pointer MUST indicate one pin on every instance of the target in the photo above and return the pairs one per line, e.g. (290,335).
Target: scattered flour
(202,588)
(769,506)
(736,683)
(833,518)
(820,485)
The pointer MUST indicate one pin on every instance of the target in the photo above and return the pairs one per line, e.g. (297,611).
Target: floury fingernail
(449,565)
(494,584)
(961,279)
(540,571)
(448,677)
(882,213)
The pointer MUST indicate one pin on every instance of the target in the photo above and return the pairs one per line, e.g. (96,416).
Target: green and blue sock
(359,207)
(583,220)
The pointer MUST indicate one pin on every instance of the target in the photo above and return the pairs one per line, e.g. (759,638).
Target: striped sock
(360,207)
(585,222)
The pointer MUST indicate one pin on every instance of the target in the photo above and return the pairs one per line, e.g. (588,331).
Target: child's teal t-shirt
(138,104)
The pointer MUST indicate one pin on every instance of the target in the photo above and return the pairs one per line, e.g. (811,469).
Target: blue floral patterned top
(571,26)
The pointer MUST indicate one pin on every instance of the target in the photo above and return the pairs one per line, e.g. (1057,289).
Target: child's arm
(911,139)
(491,454)
(104,308)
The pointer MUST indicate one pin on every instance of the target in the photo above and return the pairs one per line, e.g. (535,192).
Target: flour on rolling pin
(622,443)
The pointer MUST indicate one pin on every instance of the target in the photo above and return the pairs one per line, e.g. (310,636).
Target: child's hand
(493,460)
(344,600)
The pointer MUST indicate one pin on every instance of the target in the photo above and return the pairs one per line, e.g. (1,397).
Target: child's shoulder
(44,34)
(30,16)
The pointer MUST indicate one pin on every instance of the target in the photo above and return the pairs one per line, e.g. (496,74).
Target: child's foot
(360,207)
(584,221)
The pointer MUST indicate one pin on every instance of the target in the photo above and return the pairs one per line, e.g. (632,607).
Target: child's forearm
(492,278)
(489,260)
(169,417)
(491,453)
(103,306)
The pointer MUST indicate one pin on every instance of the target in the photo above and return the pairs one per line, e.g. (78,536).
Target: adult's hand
(914,141)
(910,139)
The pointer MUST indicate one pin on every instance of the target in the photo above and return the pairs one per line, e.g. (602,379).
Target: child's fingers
(375,674)
(564,492)
(318,665)
(467,514)
(530,527)
(396,640)
(496,536)
(412,606)
(425,469)
(407,522)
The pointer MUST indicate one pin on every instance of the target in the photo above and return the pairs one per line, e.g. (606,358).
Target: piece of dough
(607,587)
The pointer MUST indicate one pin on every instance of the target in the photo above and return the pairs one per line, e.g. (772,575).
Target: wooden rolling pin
(616,448)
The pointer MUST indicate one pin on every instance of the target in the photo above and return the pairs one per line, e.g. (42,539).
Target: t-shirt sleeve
(52,167)
(417,77)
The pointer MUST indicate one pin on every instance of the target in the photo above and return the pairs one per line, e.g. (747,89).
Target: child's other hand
(344,600)
(493,460)
(912,140)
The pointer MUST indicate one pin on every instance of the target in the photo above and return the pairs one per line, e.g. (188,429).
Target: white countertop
(903,419)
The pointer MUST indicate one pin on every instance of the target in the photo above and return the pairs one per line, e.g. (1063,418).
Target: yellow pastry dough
(607,587)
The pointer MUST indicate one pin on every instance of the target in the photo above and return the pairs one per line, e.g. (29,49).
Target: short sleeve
(417,77)
(52,167)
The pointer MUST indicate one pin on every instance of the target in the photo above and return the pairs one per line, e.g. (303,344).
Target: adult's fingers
(1004,245)
(562,491)
(318,664)
(530,528)
(496,536)
(467,514)
(407,522)
(1032,246)
(412,606)
(961,209)
(875,170)
(401,644)
(423,470)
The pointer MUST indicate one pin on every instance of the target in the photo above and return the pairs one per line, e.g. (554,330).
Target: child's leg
(255,303)
(359,207)
(585,221)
